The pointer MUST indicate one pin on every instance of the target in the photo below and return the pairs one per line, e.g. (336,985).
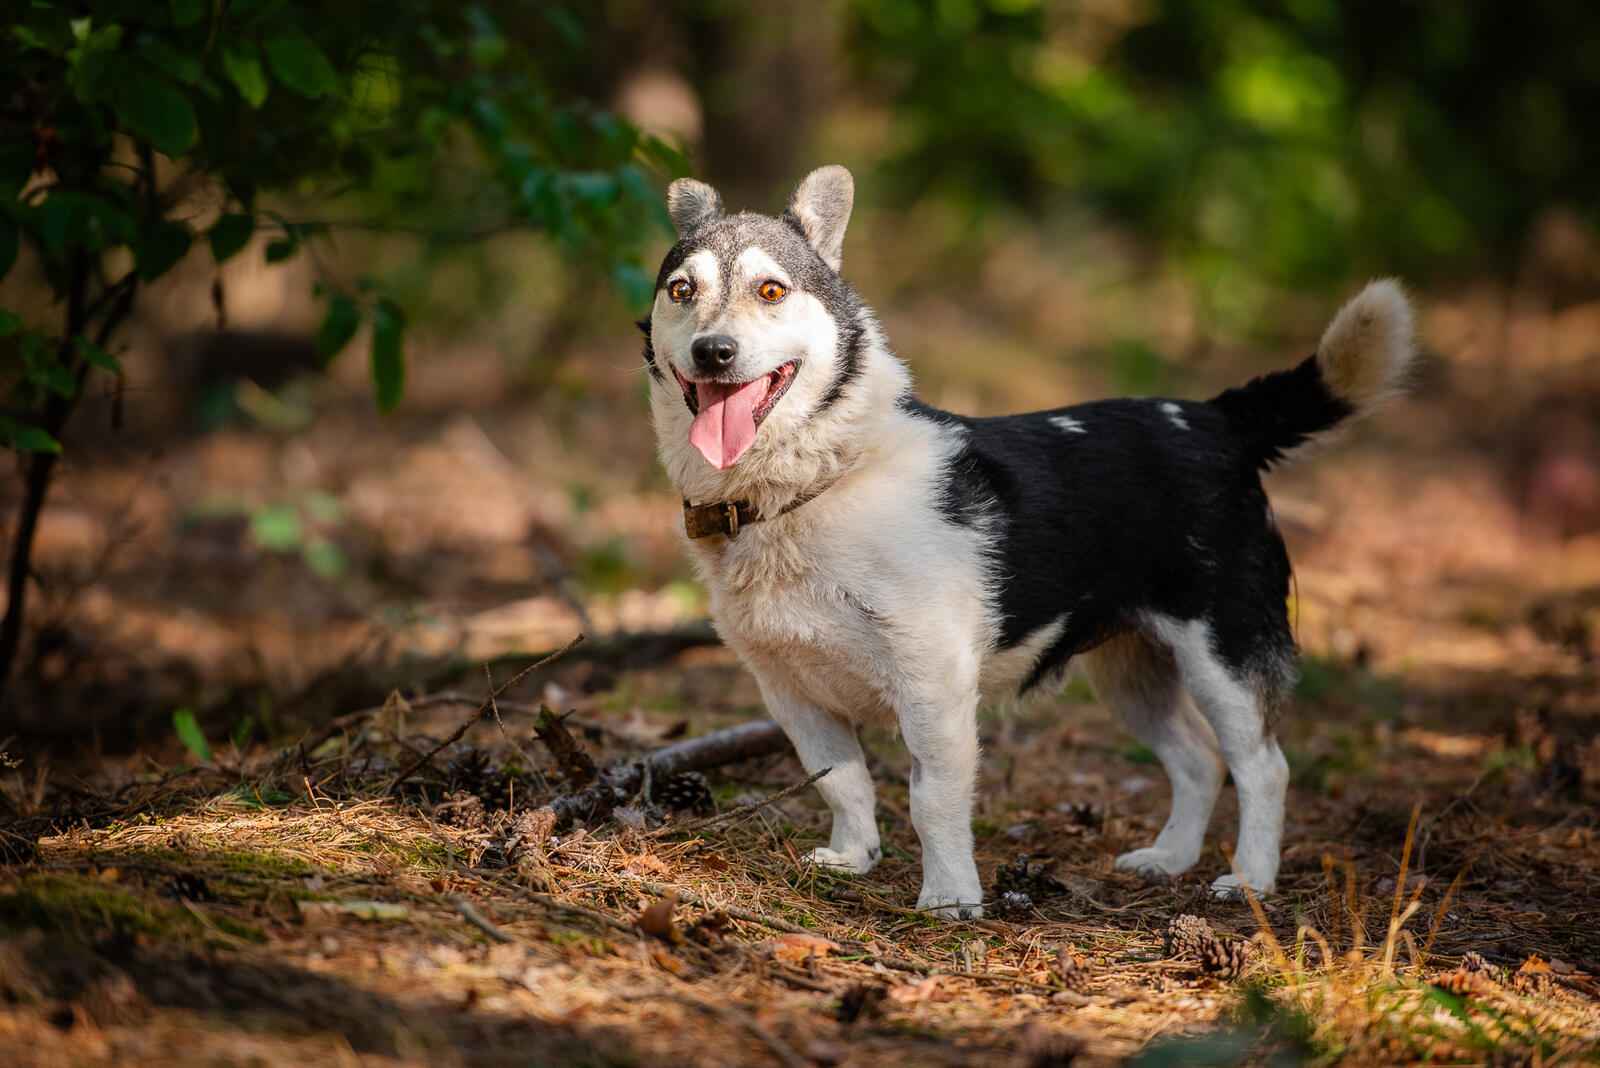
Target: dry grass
(280,910)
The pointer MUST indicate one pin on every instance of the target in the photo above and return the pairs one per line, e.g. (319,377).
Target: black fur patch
(650,351)
(1274,413)
(1119,512)
(852,334)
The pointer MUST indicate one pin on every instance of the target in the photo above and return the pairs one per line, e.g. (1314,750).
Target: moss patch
(82,906)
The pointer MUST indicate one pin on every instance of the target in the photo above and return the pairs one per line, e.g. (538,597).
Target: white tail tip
(1368,349)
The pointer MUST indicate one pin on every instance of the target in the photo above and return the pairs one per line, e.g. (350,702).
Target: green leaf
(10,242)
(230,234)
(188,12)
(155,111)
(99,357)
(243,68)
(186,67)
(10,323)
(160,247)
(277,528)
(190,734)
(324,558)
(388,354)
(338,327)
(55,378)
(300,65)
(34,439)
(16,165)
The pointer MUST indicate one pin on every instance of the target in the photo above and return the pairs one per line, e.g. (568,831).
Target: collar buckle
(717,517)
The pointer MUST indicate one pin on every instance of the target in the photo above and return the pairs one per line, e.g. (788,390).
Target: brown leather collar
(729,517)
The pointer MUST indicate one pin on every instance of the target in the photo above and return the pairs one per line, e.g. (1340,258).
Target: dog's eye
(680,290)
(772,292)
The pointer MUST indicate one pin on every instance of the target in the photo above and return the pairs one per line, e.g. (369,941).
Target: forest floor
(277,898)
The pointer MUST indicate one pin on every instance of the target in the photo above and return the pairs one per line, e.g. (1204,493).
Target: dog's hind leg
(822,741)
(1234,709)
(1140,681)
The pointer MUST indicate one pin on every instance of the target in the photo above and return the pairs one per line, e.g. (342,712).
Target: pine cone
(1191,938)
(1464,982)
(1226,958)
(463,809)
(1013,903)
(685,792)
(1084,814)
(1072,969)
(1476,962)
(1534,977)
(1187,935)
(1026,876)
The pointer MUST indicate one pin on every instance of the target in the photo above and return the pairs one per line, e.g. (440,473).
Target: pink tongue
(726,423)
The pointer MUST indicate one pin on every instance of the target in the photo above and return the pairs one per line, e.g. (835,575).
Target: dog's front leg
(943,740)
(825,741)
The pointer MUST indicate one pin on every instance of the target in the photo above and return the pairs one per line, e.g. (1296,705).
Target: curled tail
(1361,361)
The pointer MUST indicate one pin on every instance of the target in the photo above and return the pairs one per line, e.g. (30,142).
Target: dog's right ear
(692,204)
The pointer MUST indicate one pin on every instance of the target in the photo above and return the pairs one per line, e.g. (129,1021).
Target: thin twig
(466,724)
(494,706)
(690,898)
(470,913)
(742,812)
(557,905)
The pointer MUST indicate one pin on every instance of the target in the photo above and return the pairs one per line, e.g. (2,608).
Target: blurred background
(1056,201)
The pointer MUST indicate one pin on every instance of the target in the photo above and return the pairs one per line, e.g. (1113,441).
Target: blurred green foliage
(121,119)
(1263,143)
(132,129)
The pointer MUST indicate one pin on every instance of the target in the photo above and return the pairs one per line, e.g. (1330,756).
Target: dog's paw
(1154,863)
(1231,888)
(952,906)
(856,863)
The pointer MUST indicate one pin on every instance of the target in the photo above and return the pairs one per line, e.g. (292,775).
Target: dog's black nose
(713,353)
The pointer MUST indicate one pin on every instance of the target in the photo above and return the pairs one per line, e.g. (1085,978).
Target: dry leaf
(657,920)
(797,948)
(929,989)
(647,864)
(667,961)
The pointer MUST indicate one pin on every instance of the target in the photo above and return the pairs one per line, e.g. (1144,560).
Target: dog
(872,558)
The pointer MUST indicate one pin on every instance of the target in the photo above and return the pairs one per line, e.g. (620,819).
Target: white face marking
(701,269)
(1068,424)
(1175,413)
(754,267)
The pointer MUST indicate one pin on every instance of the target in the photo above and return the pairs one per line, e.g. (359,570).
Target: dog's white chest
(794,620)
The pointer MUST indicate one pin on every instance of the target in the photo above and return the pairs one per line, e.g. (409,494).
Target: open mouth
(726,414)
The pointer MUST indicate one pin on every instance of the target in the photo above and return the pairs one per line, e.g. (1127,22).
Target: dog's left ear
(820,207)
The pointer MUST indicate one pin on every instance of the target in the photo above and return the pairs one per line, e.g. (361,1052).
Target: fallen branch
(466,724)
(470,913)
(364,685)
(620,782)
(741,812)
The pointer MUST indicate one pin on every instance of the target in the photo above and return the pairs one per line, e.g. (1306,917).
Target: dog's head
(753,335)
